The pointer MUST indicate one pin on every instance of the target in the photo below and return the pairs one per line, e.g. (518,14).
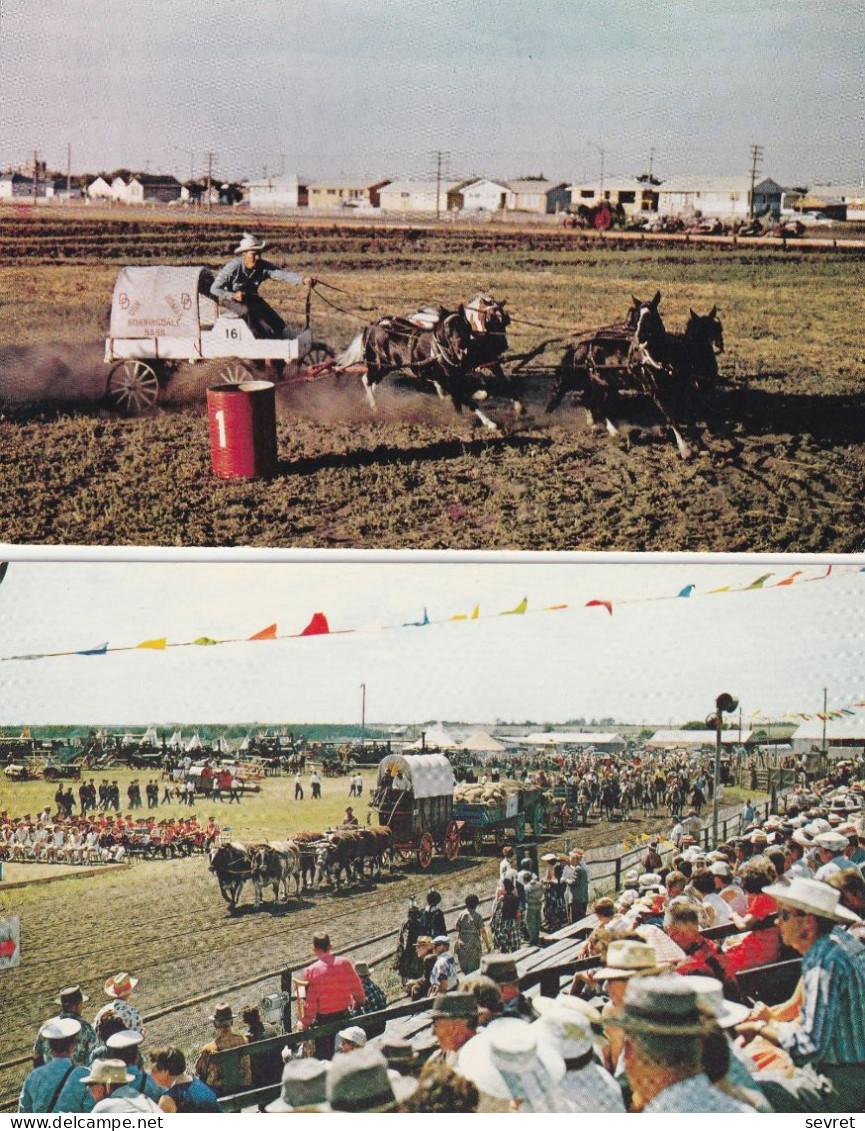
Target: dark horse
(639,355)
(232,864)
(441,348)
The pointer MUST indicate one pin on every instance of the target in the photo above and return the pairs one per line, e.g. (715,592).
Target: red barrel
(242,422)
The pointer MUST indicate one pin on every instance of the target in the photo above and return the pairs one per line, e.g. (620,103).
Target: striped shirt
(831,1026)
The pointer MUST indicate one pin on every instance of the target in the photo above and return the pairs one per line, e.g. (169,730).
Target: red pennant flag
(608,605)
(789,580)
(318,626)
(268,633)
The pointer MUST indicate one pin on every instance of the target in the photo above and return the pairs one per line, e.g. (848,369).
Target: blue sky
(356,87)
(659,661)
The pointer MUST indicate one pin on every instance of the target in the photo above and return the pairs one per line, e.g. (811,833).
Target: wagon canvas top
(152,302)
(430,775)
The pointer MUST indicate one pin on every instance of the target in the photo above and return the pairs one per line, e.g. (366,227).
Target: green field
(785,474)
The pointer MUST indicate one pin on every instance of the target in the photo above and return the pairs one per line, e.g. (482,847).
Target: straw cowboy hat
(248,242)
(304,1086)
(361,1082)
(353,1035)
(625,959)
(834,842)
(813,897)
(568,1033)
(108,1072)
(710,995)
(120,985)
(664,1004)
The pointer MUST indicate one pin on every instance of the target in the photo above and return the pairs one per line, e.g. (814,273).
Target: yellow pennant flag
(518,611)
(205,640)
(158,645)
(472,616)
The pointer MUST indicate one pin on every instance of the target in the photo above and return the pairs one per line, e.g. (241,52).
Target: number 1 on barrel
(219,417)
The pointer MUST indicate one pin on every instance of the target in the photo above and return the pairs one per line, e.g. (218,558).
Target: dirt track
(166,922)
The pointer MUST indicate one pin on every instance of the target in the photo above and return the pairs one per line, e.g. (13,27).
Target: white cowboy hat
(508,1046)
(120,984)
(567,1032)
(833,842)
(814,897)
(60,1029)
(304,1086)
(248,242)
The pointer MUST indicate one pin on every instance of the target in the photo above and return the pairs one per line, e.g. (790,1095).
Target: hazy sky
(352,87)
(659,660)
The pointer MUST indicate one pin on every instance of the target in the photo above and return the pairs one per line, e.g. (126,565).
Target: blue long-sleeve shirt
(831,1025)
(236,276)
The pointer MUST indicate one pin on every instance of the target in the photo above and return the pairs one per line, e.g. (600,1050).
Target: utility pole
(210,156)
(756,155)
(602,152)
(362,714)
(825,690)
(651,162)
(441,156)
(68,166)
(35,173)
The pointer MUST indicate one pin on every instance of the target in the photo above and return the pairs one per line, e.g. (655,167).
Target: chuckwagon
(414,797)
(163,317)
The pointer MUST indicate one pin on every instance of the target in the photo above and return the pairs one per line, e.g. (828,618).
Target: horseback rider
(236,287)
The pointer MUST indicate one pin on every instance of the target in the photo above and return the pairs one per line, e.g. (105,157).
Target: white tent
(150,735)
(483,743)
(176,740)
(193,744)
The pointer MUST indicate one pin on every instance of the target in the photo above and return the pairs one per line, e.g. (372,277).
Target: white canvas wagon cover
(431,775)
(154,302)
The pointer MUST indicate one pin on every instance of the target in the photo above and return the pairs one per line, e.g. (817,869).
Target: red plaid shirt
(333,987)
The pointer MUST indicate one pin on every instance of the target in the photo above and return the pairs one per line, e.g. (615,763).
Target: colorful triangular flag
(687,591)
(268,633)
(518,611)
(205,640)
(99,650)
(318,626)
(608,605)
(157,645)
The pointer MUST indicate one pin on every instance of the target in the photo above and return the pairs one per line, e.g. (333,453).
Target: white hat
(649,880)
(359,1082)
(108,1072)
(125,1039)
(248,242)
(566,1031)
(505,1050)
(721,868)
(710,994)
(833,842)
(628,897)
(354,1035)
(801,837)
(60,1029)
(626,958)
(812,896)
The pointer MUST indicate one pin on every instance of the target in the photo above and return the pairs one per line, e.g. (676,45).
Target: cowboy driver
(236,287)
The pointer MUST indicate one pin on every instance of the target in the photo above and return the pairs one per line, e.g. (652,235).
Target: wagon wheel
(567,815)
(478,843)
(317,353)
(235,373)
(451,844)
(133,387)
(50,774)
(425,850)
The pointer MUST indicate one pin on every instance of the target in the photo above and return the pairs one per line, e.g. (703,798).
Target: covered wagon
(414,796)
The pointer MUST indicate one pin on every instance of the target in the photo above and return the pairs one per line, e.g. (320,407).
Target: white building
(99,189)
(539,196)
(276,193)
(483,195)
(692,739)
(845,736)
(728,198)
(634,196)
(605,742)
(418,196)
(147,188)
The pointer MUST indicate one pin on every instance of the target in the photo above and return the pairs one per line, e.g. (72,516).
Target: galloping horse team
(459,354)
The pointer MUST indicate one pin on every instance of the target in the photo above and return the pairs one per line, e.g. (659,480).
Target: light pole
(724,702)
(362,715)
(602,152)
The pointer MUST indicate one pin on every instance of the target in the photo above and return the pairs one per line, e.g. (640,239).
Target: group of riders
(101,838)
